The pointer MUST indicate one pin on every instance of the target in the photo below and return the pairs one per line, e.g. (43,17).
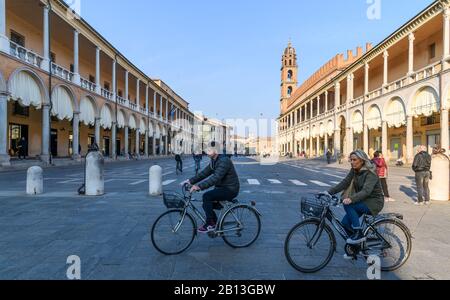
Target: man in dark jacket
(221,175)
(23,148)
(422,166)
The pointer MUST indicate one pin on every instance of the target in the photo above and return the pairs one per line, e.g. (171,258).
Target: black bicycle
(174,231)
(311,244)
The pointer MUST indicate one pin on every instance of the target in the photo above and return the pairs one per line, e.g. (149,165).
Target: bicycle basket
(311,208)
(173,200)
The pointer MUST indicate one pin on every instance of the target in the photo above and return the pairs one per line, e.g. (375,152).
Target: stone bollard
(95,182)
(35,181)
(439,185)
(155,181)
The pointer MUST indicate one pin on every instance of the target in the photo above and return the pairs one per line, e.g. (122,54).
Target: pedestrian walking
(179,167)
(329,155)
(422,166)
(23,148)
(382,172)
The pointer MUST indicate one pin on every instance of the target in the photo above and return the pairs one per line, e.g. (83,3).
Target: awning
(330,128)
(150,129)
(87,112)
(25,90)
(142,126)
(426,103)
(157,132)
(62,107)
(396,116)
(120,119)
(374,118)
(322,130)
(357,122)
(132,122)
(106,118)
(314,132)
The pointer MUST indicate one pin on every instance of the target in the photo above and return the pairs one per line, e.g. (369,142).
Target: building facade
(64,87)
(207,130)
(392,97)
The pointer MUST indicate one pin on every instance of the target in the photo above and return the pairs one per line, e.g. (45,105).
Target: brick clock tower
(289,70)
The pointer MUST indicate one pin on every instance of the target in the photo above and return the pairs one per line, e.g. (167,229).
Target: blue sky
(224,57)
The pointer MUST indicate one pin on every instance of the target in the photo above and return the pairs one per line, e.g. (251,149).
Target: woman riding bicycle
(362,195)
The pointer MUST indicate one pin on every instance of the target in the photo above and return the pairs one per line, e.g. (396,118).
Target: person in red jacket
(382,169)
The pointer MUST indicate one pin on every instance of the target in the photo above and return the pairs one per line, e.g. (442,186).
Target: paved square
(111,234)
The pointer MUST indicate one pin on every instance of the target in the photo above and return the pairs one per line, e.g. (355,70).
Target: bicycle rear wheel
(169,241)
(241,226)
(308,258)
(397,253)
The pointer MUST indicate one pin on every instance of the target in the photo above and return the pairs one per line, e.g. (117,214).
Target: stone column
(384,140)
(409,140)
(325,149)
(76,64)
(126,85)
(98,85)
(166,144)
(318,147)
(349,141)
(113,142)
(446,38)
(154,144)
(160,107)
(337,94)
(154,106)
(167,109)
(326,101)
(366,78)
(138,153)
(350,87)
(310,146)
(126,146)
(76,135)
(445,131)
(366,139)
(411,39)
(45,153)
(146,101)
(46,39)
(114,83)
(311,108)
(138,93)
(385,68)
(146,143)
(337,143)
(4,156)
(97,131)
(4,45)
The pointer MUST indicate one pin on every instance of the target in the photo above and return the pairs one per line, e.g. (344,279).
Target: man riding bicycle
(221,174)
(362,195)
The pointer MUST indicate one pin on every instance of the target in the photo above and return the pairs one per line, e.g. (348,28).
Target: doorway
(54,142)
(16,132)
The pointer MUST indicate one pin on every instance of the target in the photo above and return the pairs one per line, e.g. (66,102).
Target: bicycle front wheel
(173,232)
(240,227)
(305,250)
(395,251)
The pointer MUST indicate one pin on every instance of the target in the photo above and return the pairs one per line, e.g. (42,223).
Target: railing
(133,106)
(121,101)
(357,101)
(143,110)
(25,55)
(86,84)
(375,94)
(62,72)
(107,94)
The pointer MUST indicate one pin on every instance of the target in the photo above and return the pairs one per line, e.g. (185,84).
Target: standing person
(197,160)
(179,163)
(382,170)
(422,166)
(329,154)
(23,148)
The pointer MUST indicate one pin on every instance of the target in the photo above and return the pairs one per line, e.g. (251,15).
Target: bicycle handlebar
(332,200)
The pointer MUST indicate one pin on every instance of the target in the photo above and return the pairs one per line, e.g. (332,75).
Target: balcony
(25,55)
(86,84)
(122,101)
(143,110)
(133,106)
(107,94)
(62,72)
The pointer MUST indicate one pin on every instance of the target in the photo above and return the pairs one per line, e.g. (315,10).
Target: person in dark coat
(23,148)
(329,155)
(179,161)
(362,195)
(422,167)
(221,175)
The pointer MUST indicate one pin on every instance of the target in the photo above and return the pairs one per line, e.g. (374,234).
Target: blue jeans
(354,212)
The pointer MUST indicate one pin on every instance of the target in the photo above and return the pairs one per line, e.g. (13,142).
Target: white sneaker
(391,199)
(427,203)
(418,203)
(346,257)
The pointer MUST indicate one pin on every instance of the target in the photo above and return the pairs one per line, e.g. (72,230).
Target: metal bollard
(155,181)
(35,181)
(95,183)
